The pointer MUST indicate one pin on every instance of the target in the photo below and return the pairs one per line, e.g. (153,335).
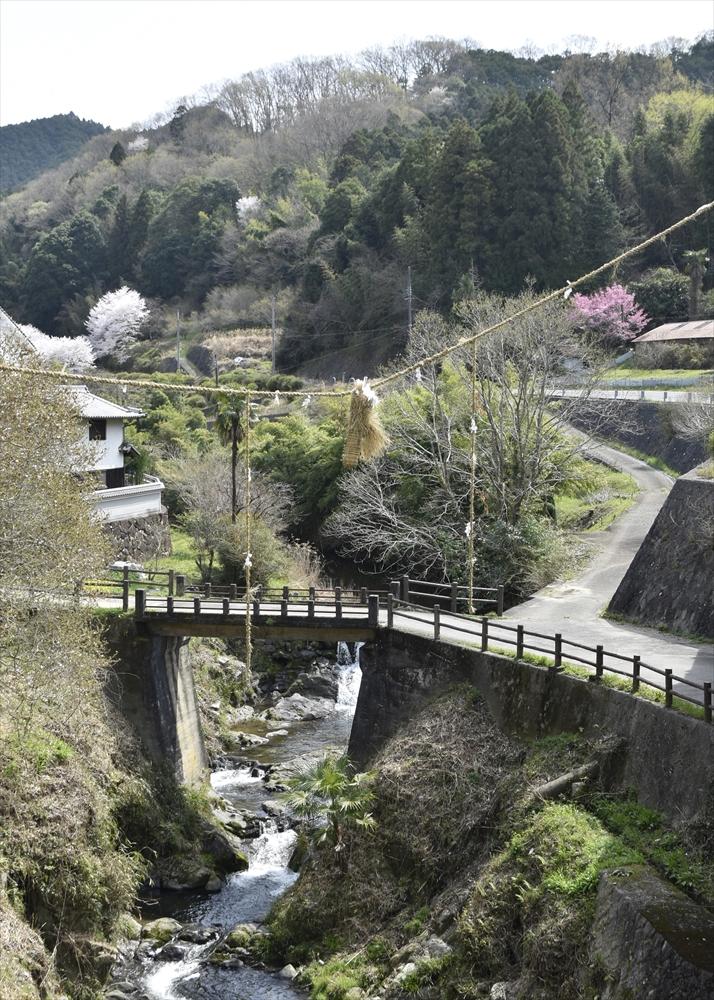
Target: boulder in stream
(162,929)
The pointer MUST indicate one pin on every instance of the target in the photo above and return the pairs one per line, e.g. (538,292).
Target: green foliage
(30,148)
(645,831)
(330,794)
(38,748)
(663,294)
(307,456)
(268,555)
(331,980)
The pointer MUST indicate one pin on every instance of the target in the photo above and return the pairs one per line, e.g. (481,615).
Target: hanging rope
(248,564)
(471,529)
(431,359)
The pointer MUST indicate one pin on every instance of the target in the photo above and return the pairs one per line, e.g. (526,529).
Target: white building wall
(127,502)
(107,454)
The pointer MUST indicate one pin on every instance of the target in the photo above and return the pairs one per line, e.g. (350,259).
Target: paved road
(574,607)
(651,395)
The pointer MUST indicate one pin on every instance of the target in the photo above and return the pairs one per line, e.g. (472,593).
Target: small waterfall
(350,675)
(272,849)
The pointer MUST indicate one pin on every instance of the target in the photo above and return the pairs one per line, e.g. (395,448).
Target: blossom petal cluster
(611,313)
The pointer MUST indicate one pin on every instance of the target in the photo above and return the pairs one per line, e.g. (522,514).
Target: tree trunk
(234,466)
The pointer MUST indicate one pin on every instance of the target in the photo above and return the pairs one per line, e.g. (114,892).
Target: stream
(248,896)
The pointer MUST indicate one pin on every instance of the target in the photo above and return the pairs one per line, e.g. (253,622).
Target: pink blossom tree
(611,315)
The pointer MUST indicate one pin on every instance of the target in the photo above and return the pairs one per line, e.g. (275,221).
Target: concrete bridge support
(154,689)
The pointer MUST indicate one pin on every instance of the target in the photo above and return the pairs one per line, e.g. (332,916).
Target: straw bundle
(366,437)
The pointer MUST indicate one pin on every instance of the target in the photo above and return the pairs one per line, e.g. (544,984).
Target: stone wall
(668,757)
(645,426)
(152,685)
(670,580)
(140,538)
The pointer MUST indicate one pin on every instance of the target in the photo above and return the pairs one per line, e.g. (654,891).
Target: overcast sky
(121,61)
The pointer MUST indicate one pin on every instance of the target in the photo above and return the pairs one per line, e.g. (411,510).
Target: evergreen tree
(120,259)
(118,154)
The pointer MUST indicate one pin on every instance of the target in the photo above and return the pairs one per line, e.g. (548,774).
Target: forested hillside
(30,148)
(323,182)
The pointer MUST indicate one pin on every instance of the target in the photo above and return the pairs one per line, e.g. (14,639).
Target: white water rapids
(248,896)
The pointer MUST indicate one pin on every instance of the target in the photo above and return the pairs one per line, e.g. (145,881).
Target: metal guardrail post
(635,673)
(180,585)
(405,589)
(668,687)
(139,604)
(172,582)
(484,634)
(454,596)
(519,642)
(437,621)
(499,601)
(197,605)
(169,605)
(373,610)
(708,702)
(390,610)
(226,606)
(125,588)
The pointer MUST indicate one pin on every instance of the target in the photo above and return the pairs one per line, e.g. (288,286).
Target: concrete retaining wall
(645,426)
(152,685)
(671,579)
(668,760)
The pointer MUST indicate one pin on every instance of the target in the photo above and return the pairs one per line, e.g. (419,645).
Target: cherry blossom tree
(611,315)
(115,321)
(74,352)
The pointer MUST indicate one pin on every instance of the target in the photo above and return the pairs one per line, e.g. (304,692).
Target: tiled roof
(94,407)
(697,329)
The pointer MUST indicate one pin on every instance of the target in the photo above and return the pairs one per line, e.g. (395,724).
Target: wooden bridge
(416,607)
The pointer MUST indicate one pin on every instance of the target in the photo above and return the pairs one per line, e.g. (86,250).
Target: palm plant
(328,795)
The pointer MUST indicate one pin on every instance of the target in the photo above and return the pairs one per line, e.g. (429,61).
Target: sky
(122,61)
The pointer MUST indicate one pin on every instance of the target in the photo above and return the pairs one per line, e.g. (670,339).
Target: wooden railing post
(499,601)
(286,593)
(125,588)
(310,609)
(338,610)
(437,621)
(635,673)
(283,609)
(311,594)
(558,652)
(338,595)
(197,605)
(373,610)
(363,595)
(454,597)
(207,590)
(707,702)
(169,605)
(180,585)
(226,606)
(256,608)
(172,582)
(599,664)
(395,588)
(484,634)
(405,589)
(139,604)
(519,642)
(232,591)
(390,610)
(668,687)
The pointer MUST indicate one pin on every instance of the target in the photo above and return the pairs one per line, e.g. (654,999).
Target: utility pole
(272,325)
(409,298)
(178,341)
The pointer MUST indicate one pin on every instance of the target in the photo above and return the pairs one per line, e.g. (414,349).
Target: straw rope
(64,376)
(470,546)
(248,555)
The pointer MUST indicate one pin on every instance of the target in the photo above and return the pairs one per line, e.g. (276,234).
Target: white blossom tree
(74,352)
(115,321)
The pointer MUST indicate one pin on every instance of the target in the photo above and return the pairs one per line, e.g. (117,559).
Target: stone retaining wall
(140,538)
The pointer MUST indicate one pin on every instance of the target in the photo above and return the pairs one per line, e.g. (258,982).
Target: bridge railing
(561,651)
(454,594)
(121,583)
